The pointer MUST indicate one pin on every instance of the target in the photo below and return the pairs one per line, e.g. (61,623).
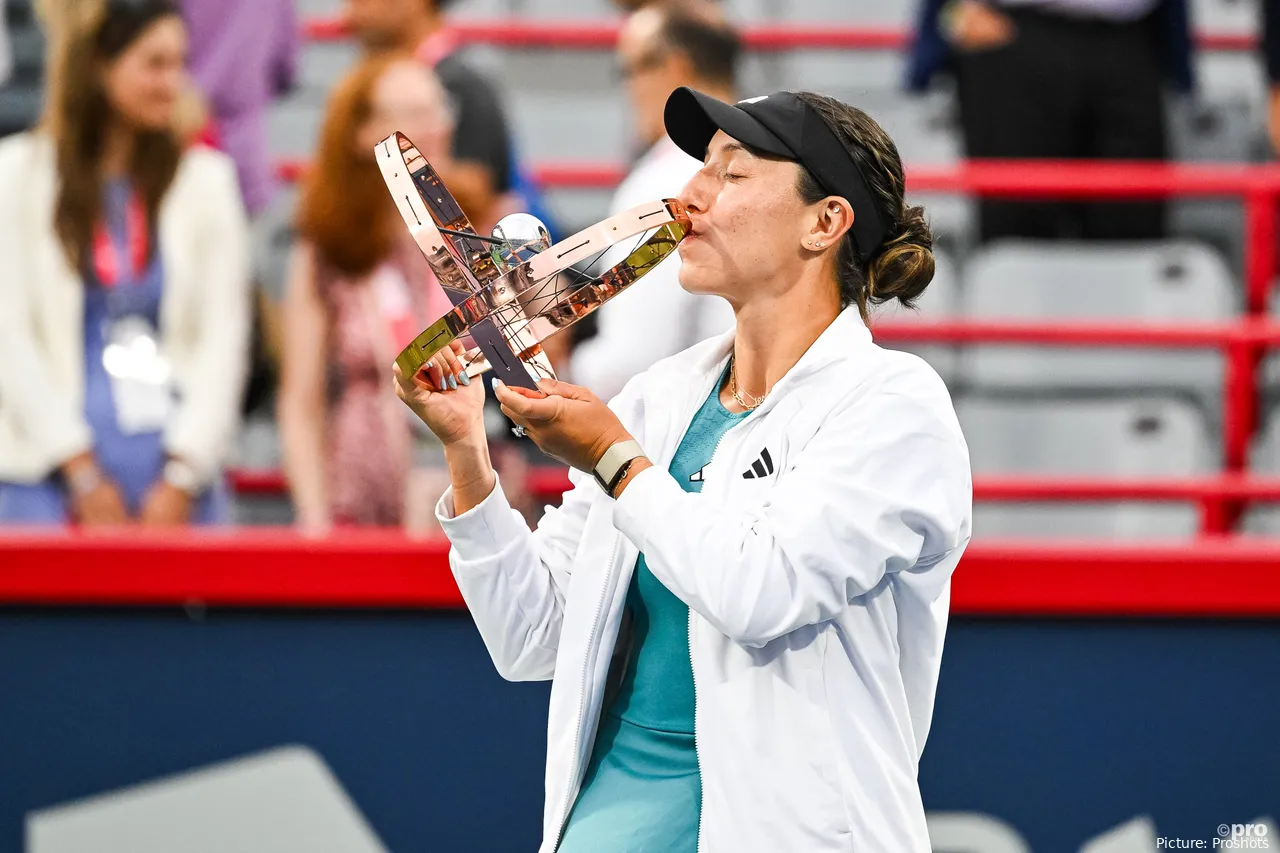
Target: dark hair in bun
(902,266)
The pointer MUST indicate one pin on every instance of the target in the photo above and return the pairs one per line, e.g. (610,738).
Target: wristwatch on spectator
(181,476)
(615,462)
(83,480)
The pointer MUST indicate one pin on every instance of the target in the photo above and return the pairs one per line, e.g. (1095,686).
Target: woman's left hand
(165,505)
(566,421)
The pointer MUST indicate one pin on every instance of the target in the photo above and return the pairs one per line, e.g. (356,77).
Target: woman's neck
(775,330)
(117,149)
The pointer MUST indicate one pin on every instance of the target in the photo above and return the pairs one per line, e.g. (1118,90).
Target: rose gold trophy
(513,290)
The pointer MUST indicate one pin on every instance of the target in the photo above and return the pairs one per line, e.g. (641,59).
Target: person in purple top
(243,53)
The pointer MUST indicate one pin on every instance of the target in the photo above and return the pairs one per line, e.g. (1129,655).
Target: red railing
(772,37)
(1216,578)
(1243,341)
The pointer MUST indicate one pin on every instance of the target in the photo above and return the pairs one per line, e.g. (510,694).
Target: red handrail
(274,568)
(764,37)
(549,482)
(1244,341)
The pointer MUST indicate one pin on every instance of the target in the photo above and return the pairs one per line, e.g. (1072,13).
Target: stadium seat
(878,13)
(925,129)
(1221,130)
(1150,437)
(1226,16)
(321,65)
(1264,459)
(940,302)
(26,42)
(1228,129)
(569,109)
(566,10)
(293,126)
(19,108)
(1033,281)
(309,8)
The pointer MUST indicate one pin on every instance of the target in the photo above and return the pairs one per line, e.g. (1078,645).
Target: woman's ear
(834,219)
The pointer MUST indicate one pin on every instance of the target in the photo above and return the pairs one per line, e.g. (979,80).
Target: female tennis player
(741,603)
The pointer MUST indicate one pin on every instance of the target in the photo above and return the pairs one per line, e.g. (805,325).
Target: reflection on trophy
(513,289)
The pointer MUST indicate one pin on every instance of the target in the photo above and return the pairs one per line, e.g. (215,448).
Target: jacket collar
(846,334)
(843,338)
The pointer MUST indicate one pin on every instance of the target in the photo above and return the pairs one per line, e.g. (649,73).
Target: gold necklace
(733,388)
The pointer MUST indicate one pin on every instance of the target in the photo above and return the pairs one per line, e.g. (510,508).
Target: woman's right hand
(93,499)
(101,506)
(452,413)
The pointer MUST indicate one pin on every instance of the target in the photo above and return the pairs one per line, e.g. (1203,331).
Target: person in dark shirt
(1059,79)
(483,172)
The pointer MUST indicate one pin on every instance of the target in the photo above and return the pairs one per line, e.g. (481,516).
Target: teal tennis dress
(642,792)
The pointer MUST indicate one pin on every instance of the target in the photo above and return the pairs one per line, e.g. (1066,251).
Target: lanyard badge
(113,266)
(140,375)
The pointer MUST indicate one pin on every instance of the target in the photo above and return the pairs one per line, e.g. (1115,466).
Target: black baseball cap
(785,126)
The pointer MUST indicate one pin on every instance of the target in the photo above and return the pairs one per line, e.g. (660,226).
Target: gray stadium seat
(258,449)
(312,8)
(1036,281)
(925,130)
(822,70)
(575,209)
(879,13)
(1226,129)
(923,127)
(1117,438)
(1264,460)
(1221,130)
(1230,75)
(941,301)
(293,126)
(747,12)
(568,10)
(322,64)
(1226,16)
(20,107)
(572,108)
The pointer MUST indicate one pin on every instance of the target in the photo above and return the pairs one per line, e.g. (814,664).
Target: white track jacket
(818,591)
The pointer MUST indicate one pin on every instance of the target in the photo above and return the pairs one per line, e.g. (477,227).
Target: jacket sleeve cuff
(485,529)
(638,508)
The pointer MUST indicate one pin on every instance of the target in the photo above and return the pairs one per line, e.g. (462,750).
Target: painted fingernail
(453,383)
(464,378)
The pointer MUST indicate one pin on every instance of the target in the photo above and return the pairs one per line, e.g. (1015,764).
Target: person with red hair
(358,290)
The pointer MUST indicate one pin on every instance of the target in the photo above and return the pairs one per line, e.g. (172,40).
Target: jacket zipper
(586,673)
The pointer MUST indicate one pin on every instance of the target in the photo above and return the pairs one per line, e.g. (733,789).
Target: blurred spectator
(359,290)
(242,54)
(123,294)
(482,169)
(663,46)
(1060,79)
(1271,58)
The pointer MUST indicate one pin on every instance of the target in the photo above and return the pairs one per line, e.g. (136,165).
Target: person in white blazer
(742,606)
(124,292)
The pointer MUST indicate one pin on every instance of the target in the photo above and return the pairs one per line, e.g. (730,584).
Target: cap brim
(693,118)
